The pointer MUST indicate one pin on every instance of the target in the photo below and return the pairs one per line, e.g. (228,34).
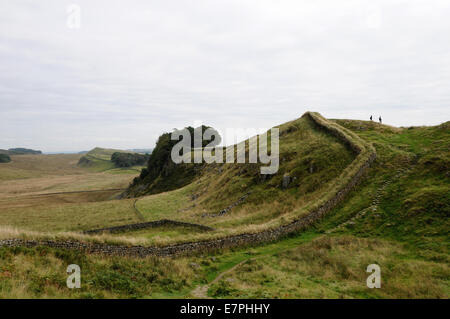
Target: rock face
(285,182)
(85,162)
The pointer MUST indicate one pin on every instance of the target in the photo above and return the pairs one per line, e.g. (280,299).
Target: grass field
(33,166)
(52,193)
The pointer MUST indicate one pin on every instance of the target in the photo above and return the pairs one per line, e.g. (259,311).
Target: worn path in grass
(401,173)
(201,292)
(227,262)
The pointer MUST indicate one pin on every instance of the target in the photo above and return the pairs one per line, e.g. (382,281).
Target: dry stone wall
(138,226)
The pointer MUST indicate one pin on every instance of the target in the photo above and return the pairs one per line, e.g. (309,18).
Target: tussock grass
(7,232)
(71,216)
(41,273)
(335,267)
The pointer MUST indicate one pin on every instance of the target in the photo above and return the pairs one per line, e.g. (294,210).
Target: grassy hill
(311,158)
(396,217)
(19,151)
(99,160)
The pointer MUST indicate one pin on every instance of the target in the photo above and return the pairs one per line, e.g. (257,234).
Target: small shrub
(4,158)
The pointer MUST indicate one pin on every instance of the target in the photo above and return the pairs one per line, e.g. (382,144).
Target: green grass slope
(413,167)
(397,218)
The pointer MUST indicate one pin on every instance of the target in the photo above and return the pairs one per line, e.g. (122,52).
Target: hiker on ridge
(380,119)
(371,117)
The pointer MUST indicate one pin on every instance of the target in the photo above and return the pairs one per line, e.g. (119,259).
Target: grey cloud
(138,68)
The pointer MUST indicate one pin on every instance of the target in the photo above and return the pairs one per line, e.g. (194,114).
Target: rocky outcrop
(285,181)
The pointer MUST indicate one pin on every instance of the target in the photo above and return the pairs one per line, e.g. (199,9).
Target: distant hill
(19,151)
(99,159)
(141,150)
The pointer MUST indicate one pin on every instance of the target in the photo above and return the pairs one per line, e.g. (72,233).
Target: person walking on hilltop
(380,119)
(371,117)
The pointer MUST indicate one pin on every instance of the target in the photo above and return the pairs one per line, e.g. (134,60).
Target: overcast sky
(135,69)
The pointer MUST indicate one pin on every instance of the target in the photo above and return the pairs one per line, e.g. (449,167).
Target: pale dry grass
(41,273)
(48,194)
(9,232)
(76,216)
(50,200)
(64,183)
(28,166)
